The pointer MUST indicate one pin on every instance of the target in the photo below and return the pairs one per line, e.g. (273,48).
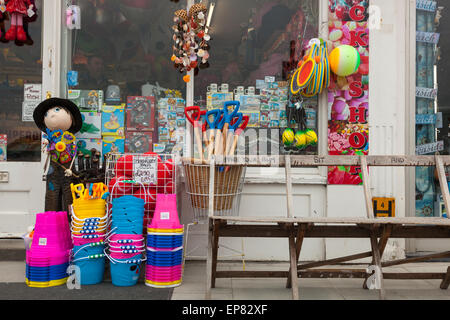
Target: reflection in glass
(20,63)
(250,40)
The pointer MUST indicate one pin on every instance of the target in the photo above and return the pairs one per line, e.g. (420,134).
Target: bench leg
(298,247)
(381,245)
(293,269)
(446,281)
(377,262)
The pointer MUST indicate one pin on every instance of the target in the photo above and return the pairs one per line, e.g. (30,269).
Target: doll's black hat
(44,106)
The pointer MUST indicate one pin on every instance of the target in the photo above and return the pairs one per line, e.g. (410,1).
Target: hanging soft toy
(191,48)
(17,9)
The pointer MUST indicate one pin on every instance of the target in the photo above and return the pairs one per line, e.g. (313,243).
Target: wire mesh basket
(157,175)
(228,185)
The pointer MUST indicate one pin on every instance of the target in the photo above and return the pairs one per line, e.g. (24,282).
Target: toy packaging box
(216,100)
(87,100)
(92,126)
(138,142)
(113,120)
(249,102)
(86,145)
(141,113)
(3,147)
(171,124)
(113,144)
(254,121)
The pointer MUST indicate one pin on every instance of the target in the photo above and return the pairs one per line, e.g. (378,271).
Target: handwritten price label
(145,169)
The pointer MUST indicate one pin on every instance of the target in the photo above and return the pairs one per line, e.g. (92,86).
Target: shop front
(117,60)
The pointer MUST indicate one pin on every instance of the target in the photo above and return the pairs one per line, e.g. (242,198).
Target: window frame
(276,175)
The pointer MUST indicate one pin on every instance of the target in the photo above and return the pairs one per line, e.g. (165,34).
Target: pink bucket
(166,214)
(47,257)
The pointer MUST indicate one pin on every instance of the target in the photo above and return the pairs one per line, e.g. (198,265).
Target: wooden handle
(198,140)
(229,143)
(218,143)
(233,147)
(211,144)
(224,137)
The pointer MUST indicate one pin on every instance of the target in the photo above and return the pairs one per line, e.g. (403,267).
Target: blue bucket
(164,242)
(130,228)
(164,259)
(91,269)
(125,272)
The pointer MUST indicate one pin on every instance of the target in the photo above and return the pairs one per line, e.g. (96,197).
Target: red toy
(17,9)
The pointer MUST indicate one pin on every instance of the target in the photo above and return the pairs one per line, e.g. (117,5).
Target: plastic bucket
(123,273)
(91,270)
(91,261)
(157,241)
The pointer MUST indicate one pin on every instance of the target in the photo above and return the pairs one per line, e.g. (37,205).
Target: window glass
(432,100)
(20,80)
(121,76)
(255,46)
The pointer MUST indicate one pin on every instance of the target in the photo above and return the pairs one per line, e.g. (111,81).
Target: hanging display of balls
(300,140)
(288,137)
(311,137)
(344,60)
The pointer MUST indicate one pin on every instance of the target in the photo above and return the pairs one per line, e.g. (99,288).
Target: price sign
(145,169)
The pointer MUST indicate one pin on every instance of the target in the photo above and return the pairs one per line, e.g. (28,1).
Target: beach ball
(300,140)
(124,166)
(344,60)
(311,137)
(288,137)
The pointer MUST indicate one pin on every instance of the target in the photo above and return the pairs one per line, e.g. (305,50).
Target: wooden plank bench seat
(339,220)
(296,229)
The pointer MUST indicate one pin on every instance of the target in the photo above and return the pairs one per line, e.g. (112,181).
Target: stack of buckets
(89,226)
(48,257)
(126,242)
(164,245)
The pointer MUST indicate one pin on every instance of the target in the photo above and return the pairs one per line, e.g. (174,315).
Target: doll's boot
(21,35)
(10,35)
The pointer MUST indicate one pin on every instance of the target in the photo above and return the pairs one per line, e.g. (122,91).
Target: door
(432,108)
(25,67)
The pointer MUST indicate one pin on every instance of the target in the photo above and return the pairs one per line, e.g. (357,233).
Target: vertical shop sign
(348,97)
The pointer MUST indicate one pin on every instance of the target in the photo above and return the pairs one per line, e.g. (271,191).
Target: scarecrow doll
(60,120)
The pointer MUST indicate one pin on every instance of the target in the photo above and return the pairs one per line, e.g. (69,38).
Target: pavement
(193,287)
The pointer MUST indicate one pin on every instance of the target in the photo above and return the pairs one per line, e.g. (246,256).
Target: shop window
(20,86)
(120,74)
(254,48)
(432,99)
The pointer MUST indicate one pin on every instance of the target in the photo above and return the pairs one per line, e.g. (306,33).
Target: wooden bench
(296,229)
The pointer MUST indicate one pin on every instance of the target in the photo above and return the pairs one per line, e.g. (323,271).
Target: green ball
(288,137)
(311,137)
(300,140)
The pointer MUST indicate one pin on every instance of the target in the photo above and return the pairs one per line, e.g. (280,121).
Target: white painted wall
(261,200)
(386,127)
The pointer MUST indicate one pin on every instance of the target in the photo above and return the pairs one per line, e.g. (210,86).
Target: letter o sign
(357,140)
